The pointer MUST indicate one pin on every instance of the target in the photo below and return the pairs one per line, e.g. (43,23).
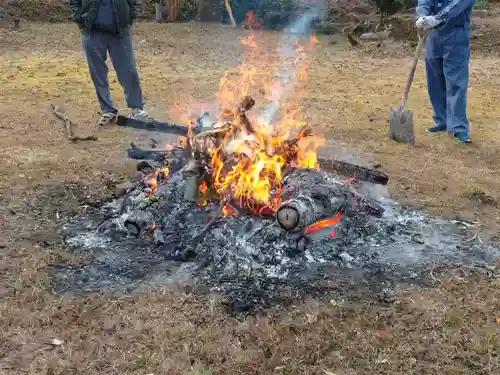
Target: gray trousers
(96,46)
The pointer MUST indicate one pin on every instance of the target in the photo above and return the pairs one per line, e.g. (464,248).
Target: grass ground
(451,328)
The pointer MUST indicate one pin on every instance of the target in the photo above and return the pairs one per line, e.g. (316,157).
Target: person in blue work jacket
(447,62)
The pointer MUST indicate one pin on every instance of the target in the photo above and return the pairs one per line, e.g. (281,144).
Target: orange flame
(167,148)
(251,21)
(203,187)
(249,164)
(228,210)
(153,226)
(314,39)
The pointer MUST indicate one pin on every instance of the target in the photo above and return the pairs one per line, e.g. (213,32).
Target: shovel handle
(411,74)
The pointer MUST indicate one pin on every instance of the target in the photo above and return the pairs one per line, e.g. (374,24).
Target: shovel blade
(401,126)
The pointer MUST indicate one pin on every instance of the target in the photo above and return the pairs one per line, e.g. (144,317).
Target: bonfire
(243,162)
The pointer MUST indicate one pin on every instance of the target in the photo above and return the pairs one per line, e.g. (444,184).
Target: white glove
(428,22)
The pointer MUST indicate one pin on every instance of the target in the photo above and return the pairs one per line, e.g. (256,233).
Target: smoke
(300,28)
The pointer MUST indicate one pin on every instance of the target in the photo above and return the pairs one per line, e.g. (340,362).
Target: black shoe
(437,129)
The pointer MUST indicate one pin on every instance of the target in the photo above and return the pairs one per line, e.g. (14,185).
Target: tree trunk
(230,12)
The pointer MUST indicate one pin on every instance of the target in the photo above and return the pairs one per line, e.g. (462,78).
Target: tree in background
(387,8)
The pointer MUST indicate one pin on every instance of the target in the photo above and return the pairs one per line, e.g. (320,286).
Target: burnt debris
(183,221)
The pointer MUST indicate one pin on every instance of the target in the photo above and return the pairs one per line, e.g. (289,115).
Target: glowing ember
(203,187)
(152,179)
(323,224)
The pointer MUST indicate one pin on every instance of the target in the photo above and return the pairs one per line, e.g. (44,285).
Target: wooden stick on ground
(68,124)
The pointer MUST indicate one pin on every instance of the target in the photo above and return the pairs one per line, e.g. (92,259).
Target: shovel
(401,121)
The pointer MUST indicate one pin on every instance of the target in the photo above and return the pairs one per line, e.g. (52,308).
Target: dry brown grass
(451,328)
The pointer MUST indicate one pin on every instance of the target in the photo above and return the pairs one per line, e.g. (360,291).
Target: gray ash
(143,240)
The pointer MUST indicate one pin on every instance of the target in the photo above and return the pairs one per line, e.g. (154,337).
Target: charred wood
(246,104)
(157,126)
(365,204)
(135,152)
(352,170)
(328,165)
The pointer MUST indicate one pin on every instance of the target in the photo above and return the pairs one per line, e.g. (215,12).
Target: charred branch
(365,204)
(246,104)
(352,170)
(157,126)
(134,152)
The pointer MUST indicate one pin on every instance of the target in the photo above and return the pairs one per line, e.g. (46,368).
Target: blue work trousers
(96,46)
(447,67)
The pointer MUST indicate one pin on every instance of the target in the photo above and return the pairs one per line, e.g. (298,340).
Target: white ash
(252,255)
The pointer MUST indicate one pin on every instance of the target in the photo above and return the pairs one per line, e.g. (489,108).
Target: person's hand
(428,22)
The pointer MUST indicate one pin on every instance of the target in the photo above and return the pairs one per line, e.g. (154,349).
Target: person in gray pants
(105,27)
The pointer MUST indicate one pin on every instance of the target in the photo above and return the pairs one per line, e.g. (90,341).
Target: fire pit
(254,215)
(246,207)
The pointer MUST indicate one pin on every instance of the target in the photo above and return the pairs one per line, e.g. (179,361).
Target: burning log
(161,127)
(247,169)
(69,124)
(298,213)
(328,165)
(312,198)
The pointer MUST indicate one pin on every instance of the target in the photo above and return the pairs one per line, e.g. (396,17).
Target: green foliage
(482,4)
(389,7)
(189,9)
(276,14)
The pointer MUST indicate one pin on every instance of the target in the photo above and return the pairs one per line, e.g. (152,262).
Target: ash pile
(255,215)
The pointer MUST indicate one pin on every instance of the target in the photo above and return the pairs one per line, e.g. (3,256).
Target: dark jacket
(84,13)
